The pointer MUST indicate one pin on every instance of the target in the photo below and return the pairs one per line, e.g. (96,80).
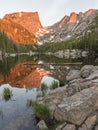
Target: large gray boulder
(77,108)
(73,74)
(91,121)
(53,98)
(78,86)
(93,76)
(89,124)
(79,80)
(87,70)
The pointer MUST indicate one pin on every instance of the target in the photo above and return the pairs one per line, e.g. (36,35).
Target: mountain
(72,26)
(24,75)
(26,28)
(22,27)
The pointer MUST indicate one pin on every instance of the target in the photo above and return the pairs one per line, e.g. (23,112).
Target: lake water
(23,75)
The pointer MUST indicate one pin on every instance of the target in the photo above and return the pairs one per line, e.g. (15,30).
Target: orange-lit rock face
(23,27)
(89,12)
(73,18)
(17,33)
(26,75)
(29,20)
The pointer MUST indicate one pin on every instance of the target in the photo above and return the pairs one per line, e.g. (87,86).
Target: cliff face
(70,26)
(73,18)
(28,20)
(17,33)
(23,27)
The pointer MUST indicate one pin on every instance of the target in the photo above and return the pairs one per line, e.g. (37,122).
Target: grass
(41,112)
(1,112)
(7,93)
(54,85)
(30,103)
(44,87)
(61,82)
(40,94)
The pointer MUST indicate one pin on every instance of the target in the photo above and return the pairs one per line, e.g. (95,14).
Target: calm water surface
(23,75)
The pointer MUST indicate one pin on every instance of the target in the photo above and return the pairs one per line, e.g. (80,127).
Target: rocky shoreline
(75,104)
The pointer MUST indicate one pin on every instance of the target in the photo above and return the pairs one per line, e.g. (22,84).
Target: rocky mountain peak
(23,27)
(62,22)
(71,26)
(73,17)
(90,11)
(29,20)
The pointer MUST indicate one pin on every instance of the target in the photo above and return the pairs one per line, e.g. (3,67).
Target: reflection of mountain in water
(22,71)
(25,75)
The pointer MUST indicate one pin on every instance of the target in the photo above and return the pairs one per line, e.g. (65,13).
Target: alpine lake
(22,76)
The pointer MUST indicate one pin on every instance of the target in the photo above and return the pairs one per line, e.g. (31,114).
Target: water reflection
(1,113)
(25,71)
(25,75)
(14,114)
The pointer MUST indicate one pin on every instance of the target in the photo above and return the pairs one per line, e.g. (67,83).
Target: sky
(50,11)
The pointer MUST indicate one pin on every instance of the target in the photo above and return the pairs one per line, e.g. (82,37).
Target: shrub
(7,94)
(54,85)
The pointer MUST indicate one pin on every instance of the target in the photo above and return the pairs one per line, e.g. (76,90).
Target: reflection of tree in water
(1,113)
(8,63)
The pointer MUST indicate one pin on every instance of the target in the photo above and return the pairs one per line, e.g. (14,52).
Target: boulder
(96,127)
(53,98)
(73,74)
(69,127)
(42,125)
(87,70)
(78,85)
(93,76)
(78,107)
(84,127)
(90,122)
(79,80)
(60,127)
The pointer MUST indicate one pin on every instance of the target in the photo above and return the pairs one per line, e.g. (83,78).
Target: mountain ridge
(26,27)
(22,27)
(70,26)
